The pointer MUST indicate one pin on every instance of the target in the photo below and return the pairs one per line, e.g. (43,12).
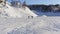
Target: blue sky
(41,1)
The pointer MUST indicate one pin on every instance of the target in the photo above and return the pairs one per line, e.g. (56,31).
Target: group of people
(30,17)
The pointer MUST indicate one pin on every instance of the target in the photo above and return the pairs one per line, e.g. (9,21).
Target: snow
(38,25)
(19,24)
(12,12)
(15,12)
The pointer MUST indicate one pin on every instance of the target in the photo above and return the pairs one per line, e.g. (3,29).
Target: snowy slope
(17,12)
(12,12)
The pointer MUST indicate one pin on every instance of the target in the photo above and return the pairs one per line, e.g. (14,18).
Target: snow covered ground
(39,25)
(45,23)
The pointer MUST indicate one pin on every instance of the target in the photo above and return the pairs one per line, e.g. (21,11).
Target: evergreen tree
(24,3)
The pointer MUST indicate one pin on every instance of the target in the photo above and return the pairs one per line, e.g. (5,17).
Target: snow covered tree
(13,3)
(4,2)
(24,3)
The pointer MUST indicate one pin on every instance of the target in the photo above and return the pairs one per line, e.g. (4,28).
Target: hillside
(14,12)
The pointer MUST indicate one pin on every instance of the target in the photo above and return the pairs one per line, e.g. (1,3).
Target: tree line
(46,8)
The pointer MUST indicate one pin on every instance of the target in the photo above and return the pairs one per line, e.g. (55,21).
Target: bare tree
(1,1)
